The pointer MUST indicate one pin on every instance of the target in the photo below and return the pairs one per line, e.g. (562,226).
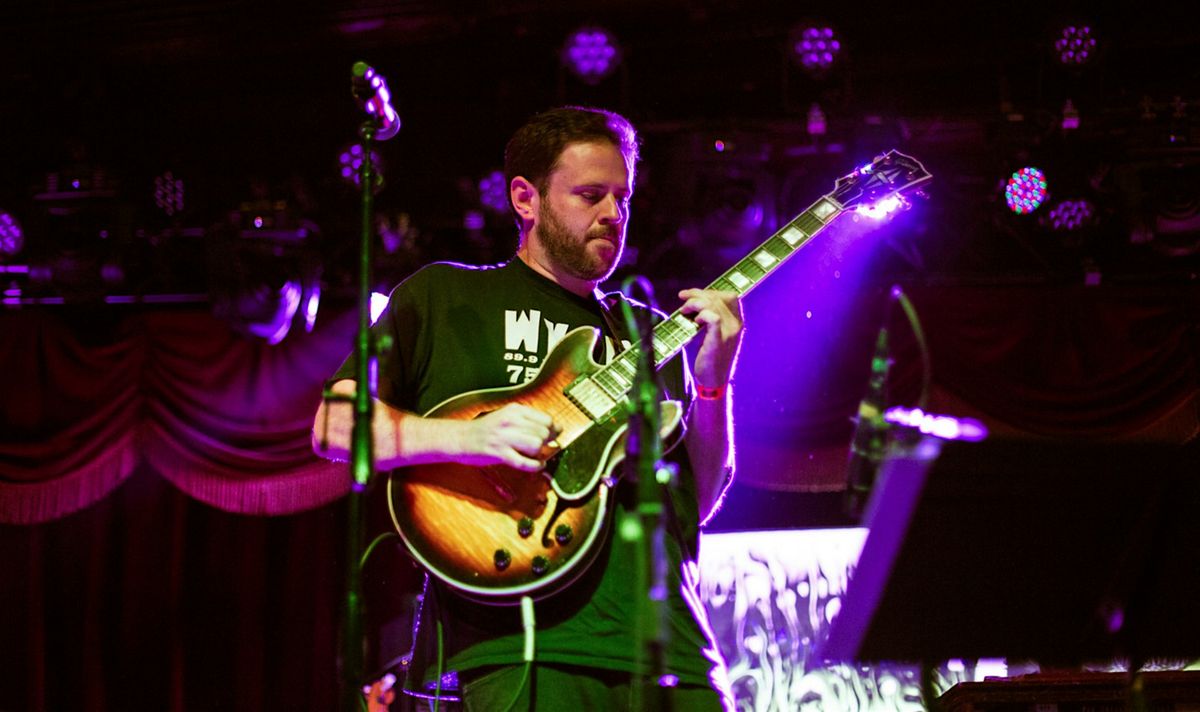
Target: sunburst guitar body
(496,533)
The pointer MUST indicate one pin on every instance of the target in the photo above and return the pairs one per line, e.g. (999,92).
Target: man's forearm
(399,437)
(514,435)
(709,443)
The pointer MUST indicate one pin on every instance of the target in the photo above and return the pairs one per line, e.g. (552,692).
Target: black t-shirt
(455,329)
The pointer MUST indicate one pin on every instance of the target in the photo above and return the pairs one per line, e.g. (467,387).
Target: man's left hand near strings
(720,316)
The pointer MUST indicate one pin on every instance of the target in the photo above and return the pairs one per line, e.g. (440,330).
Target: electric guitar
(495,533)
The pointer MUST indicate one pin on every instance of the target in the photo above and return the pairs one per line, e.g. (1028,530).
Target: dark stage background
(167,539)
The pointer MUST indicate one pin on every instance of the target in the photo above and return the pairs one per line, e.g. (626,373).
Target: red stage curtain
(89,396)
(226,419)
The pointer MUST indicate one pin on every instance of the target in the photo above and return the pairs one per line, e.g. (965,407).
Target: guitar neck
(613,382)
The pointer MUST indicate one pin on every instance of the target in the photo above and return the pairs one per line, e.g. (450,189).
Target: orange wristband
(707,393)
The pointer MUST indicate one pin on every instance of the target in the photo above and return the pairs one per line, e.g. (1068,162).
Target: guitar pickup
(590,398)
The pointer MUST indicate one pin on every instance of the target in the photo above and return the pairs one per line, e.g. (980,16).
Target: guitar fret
(624,367)
(764,259)
(723,284)
(823,209)
(608,384)
(661,350)
(751,270)
(621,380)
(778,247)
(738,280)
(684,329)
(793,236)
(678,336)
(808,223)
(672,334)
(686,325)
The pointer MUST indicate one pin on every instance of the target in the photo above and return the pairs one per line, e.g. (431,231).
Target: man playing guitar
(456,329)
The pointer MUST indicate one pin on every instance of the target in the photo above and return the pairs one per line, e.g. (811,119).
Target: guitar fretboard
(608,388)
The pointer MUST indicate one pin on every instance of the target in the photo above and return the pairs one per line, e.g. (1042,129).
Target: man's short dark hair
(534,150)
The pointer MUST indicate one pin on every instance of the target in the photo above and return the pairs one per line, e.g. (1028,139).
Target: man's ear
(525,199)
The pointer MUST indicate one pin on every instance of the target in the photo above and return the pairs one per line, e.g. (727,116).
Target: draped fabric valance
(89,396)
(227,420)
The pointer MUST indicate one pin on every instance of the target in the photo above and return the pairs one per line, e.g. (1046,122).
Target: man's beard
(571,253)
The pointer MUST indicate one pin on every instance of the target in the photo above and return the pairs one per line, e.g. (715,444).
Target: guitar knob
(563,534)
(525,527)
(539,565)
(501,559)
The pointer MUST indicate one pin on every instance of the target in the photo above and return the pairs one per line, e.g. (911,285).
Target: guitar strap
(610,303)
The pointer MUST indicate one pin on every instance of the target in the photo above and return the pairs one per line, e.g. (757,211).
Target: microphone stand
(870,432)
(644,528)
(362,455)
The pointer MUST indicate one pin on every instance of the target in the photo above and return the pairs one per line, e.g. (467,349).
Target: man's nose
(614,211)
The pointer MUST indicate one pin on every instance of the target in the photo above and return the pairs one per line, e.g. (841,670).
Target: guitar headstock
(889,175)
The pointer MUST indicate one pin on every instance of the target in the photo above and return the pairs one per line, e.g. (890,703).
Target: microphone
(870,432)
(371,92)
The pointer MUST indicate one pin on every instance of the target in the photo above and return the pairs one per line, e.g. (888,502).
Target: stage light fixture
(169,194)
(815,48)
(1068,215)
(12,237)
(474,220)
(493,192)
(264,269)
(815,124)
(350,160)
(1070,116)
(1075,45)
(591,53)
(1026,190)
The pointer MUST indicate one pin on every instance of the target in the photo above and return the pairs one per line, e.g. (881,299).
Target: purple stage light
(474,220)
(591,54)
(12,237)
(815,48)
(351,161)
(1026,190)
(1071,214)
(1070,116)
(815,122)
(1075,46)
(168,194)
(312,304)
(940,426)
(493,192)
(882,208)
